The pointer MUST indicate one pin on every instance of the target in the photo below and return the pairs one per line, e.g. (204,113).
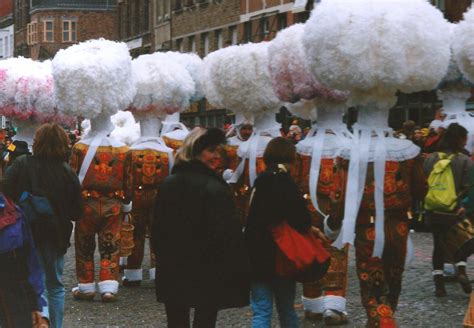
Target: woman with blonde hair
(197,236)
(47,174)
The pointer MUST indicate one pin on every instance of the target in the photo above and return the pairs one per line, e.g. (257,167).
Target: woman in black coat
(197,237)
(275,198)
(47,174)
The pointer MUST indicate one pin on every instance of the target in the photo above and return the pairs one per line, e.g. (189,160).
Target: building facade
(6,29)
(45,26)
(161,24)
(135,25)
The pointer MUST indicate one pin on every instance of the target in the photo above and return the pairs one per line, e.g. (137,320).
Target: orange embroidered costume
(146,169)
(103,192)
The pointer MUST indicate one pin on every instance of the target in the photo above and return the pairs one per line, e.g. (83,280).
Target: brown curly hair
(51,142)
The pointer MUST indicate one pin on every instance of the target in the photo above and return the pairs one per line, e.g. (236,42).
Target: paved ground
(418,308)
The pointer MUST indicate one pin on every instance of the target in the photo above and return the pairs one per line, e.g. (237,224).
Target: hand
(38,321)
(319,234)
(461,211)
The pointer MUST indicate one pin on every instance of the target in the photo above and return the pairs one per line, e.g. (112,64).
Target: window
(205,43)
(48,29)
(282,21)
(233,34)
(192,44)
(146,16)
(264,26)
(178,5)
(219,39)
(32,33)
(69,31)
(179,45)
(7,45)
(166,9)
(440,4)
(159,11)
(248,31)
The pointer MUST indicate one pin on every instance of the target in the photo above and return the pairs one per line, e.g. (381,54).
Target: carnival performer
(98,159)
(237,78)
(149,160)
(243,130)
(173,131)
(323,172)
(382,169)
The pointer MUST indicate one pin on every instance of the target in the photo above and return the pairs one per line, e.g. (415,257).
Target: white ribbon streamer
(410,251)
(315,168)
(379,175)
(253,159)
(91,151)
(355,186)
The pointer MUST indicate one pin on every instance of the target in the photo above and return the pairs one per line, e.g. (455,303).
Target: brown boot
(463,279)
(438,279)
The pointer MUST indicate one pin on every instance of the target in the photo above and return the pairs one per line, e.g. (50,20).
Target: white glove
(227,175)
(127,208)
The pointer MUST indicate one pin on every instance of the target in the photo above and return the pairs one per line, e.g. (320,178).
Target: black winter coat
(276,198)
(54,180)
(198,240)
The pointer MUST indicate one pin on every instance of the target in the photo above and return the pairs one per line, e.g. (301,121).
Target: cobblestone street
(417,308)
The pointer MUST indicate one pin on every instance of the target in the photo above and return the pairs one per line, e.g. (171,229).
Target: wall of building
(90,25)
(208,25)
(7,42)
(454,9)
(6,8)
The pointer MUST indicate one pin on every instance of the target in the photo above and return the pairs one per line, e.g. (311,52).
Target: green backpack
(441,194)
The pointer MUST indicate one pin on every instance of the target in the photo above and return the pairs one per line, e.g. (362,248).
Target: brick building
(134,25)
(203,26)
(6,29)
(45,26)
(161,24)
(453,9)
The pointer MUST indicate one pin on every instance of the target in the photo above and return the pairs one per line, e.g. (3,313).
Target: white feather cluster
(164,86)
(377,47)
(463,45)
(26,90)
(239,79)
(126,130)
(291,79)
(305,109)
(195,66)
(93,77)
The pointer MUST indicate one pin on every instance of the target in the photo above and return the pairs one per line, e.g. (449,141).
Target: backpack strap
(442,155)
